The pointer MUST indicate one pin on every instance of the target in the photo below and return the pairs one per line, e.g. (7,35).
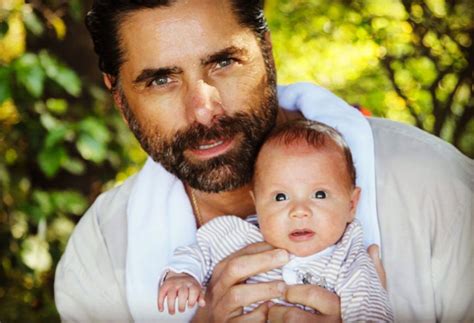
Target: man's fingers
(254,248)
(240,268)
(374,254)
(257,315)
(314,296)
(287,314)
(245,294)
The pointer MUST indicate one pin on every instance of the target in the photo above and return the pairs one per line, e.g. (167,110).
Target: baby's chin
(304,251)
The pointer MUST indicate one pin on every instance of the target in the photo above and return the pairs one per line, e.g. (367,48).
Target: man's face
(195,90)
(303,197)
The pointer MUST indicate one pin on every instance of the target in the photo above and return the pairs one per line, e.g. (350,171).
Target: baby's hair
(315,134)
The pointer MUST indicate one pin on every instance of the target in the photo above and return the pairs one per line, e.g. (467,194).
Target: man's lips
(301,235)
(212,148)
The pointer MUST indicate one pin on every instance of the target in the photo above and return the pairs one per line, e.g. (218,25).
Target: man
(195,82)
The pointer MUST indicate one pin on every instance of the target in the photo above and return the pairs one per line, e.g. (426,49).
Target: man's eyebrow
(224,53)
(150,73)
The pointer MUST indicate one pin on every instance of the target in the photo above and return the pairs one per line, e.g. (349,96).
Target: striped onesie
(344,268)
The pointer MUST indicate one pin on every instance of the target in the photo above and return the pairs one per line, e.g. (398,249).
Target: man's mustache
(225,127)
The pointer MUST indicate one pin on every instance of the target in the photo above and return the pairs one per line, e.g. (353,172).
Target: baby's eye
(320,195)
(281,197)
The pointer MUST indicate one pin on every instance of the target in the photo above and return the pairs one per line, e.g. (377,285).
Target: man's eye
(320,195)
(159,81)
(224,62)
(281,197)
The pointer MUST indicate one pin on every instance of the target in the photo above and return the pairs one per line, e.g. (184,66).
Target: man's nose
(204,103)
(300,210)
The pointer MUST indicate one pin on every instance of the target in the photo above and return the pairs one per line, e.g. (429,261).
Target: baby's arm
(183,287)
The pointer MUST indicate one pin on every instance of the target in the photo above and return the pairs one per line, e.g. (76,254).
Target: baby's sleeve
(215,240)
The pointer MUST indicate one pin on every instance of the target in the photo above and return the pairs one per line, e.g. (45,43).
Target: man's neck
(210,205)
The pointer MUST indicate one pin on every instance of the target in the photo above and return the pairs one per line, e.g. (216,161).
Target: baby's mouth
(301,235)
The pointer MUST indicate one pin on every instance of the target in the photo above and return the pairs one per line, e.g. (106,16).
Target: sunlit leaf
(95,128)
(35,254)
(33,23)
(69,81)
(58,25)
(70,202)
(30,74)
(61,74)
(50,159)
(74,166)
(91,149)
(58,106)
(55,136)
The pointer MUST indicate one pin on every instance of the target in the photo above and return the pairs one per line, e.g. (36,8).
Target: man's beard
(228,171)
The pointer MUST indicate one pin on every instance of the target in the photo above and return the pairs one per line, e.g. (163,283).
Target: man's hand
(327,303)
(319,298)
(374,254)
(226,296)
(182,287)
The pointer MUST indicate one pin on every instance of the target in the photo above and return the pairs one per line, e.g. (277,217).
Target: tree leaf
(58,106)
(74,166)
(90,148)
(70,202)
(59,73)
(95,128)
(30,74)
(33,23)
(50,159)
(5,90)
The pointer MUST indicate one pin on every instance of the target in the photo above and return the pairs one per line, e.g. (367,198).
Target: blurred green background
(62,142)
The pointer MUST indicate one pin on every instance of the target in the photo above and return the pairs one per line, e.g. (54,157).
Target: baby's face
(303,197)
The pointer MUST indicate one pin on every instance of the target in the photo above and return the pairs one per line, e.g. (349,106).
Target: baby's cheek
(272,232)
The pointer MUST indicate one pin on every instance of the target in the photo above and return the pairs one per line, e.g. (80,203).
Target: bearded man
(195,81)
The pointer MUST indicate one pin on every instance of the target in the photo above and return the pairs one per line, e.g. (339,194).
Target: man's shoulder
(113,202)
(402,146)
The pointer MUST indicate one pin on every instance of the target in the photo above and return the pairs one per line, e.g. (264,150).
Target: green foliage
(406,60)
(61,143)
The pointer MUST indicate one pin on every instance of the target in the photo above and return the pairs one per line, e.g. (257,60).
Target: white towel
(160,215)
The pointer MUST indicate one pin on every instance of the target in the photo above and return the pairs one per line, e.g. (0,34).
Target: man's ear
(109,82)
(354,202)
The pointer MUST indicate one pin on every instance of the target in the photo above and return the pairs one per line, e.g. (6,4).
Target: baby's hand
(181,286)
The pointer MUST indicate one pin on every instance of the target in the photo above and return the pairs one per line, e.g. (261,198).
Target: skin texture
(302,189)
(183,36)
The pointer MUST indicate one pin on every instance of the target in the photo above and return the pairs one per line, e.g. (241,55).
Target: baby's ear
(354,202)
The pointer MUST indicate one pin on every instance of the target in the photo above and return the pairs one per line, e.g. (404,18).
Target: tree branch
(391,73)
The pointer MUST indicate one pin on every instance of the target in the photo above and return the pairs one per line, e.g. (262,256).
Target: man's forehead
(200,28)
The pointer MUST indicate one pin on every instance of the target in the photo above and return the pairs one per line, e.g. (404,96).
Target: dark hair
(315,134)
(104,18)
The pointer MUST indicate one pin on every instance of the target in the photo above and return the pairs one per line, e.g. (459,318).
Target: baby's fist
(182,287)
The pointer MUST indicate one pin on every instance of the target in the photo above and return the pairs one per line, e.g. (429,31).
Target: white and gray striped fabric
(345,268)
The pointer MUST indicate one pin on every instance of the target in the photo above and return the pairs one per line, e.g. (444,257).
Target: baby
(305,197)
